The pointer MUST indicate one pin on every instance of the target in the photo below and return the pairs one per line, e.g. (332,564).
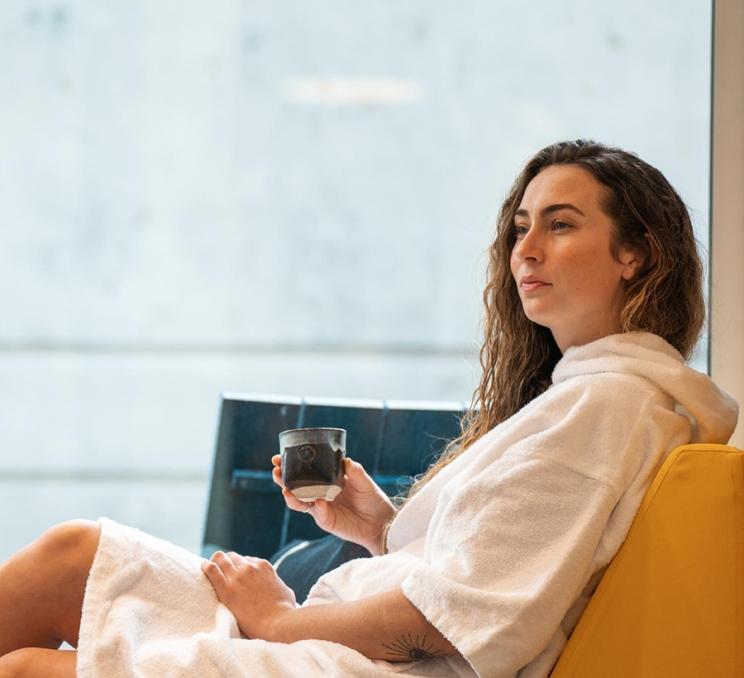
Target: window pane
(280,197)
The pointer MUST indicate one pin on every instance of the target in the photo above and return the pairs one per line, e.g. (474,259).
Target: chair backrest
(394,440)
(671,603)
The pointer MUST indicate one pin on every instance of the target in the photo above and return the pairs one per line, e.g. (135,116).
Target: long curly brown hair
(665,297)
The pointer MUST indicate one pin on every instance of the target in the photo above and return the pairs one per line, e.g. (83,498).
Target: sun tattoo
(408,646)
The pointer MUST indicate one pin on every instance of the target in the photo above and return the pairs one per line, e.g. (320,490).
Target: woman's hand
(252,590)
(359,512)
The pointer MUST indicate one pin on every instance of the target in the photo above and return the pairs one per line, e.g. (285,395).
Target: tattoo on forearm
(409,647)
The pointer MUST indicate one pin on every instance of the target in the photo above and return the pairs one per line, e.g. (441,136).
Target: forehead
(564,184)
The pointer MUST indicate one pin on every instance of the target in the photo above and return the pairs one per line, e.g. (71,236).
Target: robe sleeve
(514,546)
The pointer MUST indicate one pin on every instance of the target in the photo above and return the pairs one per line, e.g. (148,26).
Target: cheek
(513,265)
(592,277)
(577,269)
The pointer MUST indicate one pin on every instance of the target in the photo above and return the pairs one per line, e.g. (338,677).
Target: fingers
(294,503)
(258,563)
(223,568)
(276,472)
(321,510)
(215,575)
(227,562)
(235,559)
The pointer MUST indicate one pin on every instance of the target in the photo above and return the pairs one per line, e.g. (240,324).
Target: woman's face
(563,244)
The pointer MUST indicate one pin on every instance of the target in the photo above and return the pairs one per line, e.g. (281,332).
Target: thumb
(324,514)
(354,468)
(320,512)
(357,476)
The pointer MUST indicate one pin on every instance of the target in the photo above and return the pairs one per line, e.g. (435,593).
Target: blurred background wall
(279,197)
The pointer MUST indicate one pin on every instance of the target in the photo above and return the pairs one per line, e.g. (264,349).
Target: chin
(538,319)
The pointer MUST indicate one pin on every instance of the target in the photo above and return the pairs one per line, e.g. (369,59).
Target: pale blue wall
(176,223)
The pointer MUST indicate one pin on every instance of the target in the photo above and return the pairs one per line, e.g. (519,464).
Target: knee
(74,539)
(18,663)
(32,662)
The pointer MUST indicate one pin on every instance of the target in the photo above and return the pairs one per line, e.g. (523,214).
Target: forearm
(384,626)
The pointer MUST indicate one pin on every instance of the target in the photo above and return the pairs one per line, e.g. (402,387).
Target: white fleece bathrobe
(500,551)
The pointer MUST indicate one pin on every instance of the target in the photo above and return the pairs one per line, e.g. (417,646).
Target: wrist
(278,627)
(377,546)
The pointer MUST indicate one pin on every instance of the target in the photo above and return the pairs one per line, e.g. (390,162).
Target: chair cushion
(671,603)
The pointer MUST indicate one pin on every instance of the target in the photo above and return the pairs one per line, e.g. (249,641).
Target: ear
(634,259)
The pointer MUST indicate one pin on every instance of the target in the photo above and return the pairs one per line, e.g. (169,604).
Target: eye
(561,225)
(520,230)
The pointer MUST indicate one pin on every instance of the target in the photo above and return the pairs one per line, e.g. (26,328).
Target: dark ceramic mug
(313,462)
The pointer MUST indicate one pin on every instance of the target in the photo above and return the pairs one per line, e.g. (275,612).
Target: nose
(529,247)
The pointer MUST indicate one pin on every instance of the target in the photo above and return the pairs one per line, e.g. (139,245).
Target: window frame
(726,346)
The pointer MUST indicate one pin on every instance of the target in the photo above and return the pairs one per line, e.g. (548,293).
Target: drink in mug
(313,462)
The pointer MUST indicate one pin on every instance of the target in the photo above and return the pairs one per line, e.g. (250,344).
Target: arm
(382,626)
(358,514)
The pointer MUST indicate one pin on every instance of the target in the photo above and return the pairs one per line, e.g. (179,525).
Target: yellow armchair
(671,603)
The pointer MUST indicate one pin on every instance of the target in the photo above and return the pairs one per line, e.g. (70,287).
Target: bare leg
(34,662)
(42,588)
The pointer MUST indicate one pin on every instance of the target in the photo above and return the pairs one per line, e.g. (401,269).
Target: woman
(593,301)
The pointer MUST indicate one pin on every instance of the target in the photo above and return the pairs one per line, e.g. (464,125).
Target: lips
(531,282)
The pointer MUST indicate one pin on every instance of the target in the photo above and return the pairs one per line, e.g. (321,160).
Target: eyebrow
(550,209)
